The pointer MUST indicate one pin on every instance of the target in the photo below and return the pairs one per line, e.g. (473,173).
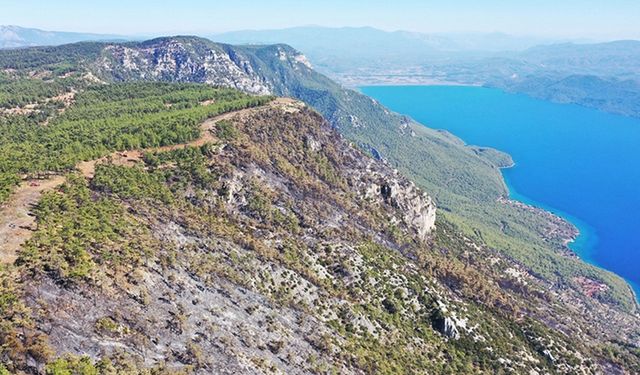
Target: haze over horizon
(570,19)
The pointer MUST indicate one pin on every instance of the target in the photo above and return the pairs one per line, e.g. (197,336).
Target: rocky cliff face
(303,205)
(417,208)
(172,61)
(280,249)
(199,60)
(194,60)
(265,69)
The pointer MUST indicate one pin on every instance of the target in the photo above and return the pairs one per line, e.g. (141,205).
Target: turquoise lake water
(577,162)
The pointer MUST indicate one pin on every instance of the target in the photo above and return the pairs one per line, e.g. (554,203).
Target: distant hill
(16,37)
(620,59)
(309,37)
(605,76)
(342,49)
(347,48)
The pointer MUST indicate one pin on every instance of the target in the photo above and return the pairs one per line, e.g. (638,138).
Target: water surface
(580,163)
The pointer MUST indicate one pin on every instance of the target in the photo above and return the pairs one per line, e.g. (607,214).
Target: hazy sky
(609,19)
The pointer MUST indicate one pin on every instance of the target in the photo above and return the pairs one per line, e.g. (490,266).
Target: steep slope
(466,183)
(566,315)
(281,70)
(275,248)
(604,76)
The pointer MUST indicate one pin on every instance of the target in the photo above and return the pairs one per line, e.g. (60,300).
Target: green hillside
(287,222)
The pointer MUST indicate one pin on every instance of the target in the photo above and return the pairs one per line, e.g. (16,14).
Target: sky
(601,19)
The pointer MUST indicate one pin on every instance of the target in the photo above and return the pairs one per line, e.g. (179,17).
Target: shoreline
(421,83)
(354,82)
(582,229)
(580,246)
(563,230)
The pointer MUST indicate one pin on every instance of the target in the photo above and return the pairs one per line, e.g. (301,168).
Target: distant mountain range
(361,37)
(337,49)
(604,76)
(16,36)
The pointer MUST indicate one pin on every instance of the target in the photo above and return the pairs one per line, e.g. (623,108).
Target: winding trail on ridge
(17,222)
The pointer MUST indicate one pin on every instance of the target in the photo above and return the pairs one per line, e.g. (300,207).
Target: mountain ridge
(522,67)
(275,184)
(357,117)
(364,55)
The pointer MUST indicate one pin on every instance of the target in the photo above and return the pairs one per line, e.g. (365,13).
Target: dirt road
(16,221)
